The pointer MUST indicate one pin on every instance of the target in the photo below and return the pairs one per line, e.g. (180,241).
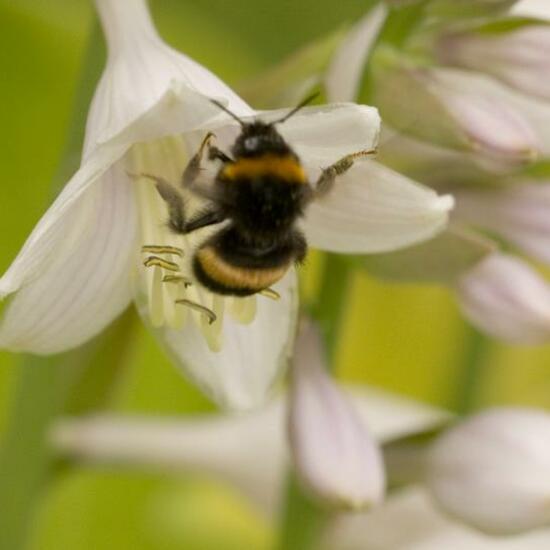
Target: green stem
(304,521)
(476,346)
(25,457)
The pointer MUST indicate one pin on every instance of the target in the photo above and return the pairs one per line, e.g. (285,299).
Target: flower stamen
(156,261)
(200,308)
(177,279)
(270,293)
(162,249)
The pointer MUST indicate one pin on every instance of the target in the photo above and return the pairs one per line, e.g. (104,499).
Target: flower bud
(504,297)
(334,454)
(493,470)
(517,213)
(455,109)
(519,58)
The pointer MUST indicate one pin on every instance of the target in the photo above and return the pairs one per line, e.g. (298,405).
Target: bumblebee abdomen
(285,168)
(220,275)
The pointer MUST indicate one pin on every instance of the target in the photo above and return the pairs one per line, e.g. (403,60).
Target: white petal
(334,453)
(343,76)
(42,243)
(532,8)
(493,470)
(248,450)
(409,521)
(141,69)
(240,375)
(178,109)
(84,283)
(518,57)
(374,209)
(506,298)
(323,134)
(519,213)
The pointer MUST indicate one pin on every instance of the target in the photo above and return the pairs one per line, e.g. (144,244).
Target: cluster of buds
(466,108)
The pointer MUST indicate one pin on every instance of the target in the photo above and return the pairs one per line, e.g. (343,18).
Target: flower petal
(323,134)
(374,209)
(334,453)
(408,520)
(179,108)
(83,283)
(241,374)
(506,298)
(141,68)
(51,229)
(491,470)
(248,450)
(532,8)
(343,76)
(519,213)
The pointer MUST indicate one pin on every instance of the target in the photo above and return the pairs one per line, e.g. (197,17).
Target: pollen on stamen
(174,298)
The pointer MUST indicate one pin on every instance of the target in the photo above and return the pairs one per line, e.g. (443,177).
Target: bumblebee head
(259,138)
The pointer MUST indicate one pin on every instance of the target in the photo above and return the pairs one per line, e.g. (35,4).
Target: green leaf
(440,260)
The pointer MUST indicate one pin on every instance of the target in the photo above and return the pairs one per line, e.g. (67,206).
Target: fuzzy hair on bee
(261,190)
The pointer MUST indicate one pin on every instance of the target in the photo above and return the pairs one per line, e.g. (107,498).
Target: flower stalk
(303,520)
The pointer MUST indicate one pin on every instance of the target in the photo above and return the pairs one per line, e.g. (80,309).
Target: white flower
(333,452)
(83,263)
(249,450)
(408,520)
(493,470)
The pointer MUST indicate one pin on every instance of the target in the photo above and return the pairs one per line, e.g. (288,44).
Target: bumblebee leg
(217,154)
(208,217)
(173,199)
(193,168)
(197,307)
(328,175)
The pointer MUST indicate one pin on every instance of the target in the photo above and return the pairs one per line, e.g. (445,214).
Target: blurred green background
(408,339)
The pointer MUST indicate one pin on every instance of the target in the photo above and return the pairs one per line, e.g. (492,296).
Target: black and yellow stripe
(220,276)
(281,167)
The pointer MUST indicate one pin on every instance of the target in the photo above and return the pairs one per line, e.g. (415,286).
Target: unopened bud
(518,213)
(334,455)
(519,57)
(493,470)
(507,299)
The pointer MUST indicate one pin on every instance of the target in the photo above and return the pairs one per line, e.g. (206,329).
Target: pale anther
(160,262)
(198,307)
(270,293)
(177,279)
(161,249)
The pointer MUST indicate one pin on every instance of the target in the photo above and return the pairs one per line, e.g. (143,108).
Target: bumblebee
(261,190)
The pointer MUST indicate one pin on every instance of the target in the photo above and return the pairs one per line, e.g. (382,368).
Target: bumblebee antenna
(300,105)
(226,110)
